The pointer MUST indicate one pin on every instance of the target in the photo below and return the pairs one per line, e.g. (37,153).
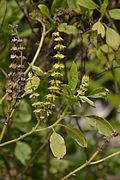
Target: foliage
(60,89)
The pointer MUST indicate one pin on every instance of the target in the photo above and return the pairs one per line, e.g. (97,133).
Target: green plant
(48,101)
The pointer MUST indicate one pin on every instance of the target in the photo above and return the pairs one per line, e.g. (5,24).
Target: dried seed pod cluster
(16,76)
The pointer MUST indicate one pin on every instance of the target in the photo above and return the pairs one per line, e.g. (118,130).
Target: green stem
(107,157)
(34,129)
(82,166)
(38,50)
(2,99)
(5,125)
(20,137)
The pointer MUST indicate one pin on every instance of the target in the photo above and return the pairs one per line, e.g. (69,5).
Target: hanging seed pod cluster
(44,109)
(16,76)
(56,71)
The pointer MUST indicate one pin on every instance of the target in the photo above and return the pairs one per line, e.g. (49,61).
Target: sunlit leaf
(68,29)
(77,135)
(57,4)
(37,71)
(101,124)
(72,4)
(22,152)
(99,93)
(98,26)
(87,100)
(73,76)
(57,145)
(115,14)
(87,4)
(112,38)
(44,10)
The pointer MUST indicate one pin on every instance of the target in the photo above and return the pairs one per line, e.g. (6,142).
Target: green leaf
(62,27)
(68,29)
(101,124)
(85,99)
(104,48)
(98,26)
(72,4)
(87,4)
(58,166)
(57,4)
(112,38)
(32,84)
(44,10)
(22,152)
(23,115)
(115,14)
(37,71)
(77,135)
(73,76)
(99,93)
(57,145)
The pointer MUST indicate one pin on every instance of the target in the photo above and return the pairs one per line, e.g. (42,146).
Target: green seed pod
(51,97)
(37,71)
(56,74)
(58,39)
(56,34)
(84,86)
(58,66)
(59,47)
(59,56)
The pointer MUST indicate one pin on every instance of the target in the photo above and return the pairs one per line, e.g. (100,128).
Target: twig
(20,137)
(38,50)
(82,166)
(107,139)
(34,129)
(5,124)
(107,157)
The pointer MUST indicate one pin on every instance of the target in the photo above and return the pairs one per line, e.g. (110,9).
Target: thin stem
(34,129)
(82,166)
(20,137)
(38,50)
(3,98)
(107,157)
(53,125)
(5,125)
